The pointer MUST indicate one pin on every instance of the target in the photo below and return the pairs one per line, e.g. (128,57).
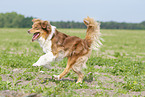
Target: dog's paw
(35,64)
(56,77)
(78,82)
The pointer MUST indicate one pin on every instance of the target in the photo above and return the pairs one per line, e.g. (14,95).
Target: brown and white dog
(57,45)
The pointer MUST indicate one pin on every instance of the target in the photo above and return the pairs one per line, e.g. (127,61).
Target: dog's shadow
(64,79)
(57,81)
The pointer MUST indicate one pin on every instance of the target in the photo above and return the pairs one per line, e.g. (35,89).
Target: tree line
(14,20)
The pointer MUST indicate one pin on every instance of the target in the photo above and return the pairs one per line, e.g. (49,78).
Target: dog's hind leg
(71,61)
(77,67)
(80,74)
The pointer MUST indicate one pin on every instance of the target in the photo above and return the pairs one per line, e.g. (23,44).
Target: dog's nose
(29,31)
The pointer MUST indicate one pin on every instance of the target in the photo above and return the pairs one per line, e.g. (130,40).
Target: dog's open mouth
(35,36)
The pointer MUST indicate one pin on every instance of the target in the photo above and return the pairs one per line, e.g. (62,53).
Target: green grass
(117,69)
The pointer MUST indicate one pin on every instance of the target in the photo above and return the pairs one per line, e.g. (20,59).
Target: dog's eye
(36,28)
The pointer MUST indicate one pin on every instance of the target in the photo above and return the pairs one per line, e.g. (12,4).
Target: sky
(131,11)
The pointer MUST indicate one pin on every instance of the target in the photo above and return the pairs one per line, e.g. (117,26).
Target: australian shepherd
(57,45)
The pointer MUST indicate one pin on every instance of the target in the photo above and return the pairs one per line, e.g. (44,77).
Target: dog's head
(40,29)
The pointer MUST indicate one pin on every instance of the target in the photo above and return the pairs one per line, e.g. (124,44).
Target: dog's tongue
(35,36)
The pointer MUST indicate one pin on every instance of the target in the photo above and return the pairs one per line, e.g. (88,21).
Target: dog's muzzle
(29,31)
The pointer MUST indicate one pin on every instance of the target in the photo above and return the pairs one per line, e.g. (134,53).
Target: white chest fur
(46,44)
(47,58)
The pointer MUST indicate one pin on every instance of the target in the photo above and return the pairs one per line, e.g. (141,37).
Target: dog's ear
(35,20)
(46,25)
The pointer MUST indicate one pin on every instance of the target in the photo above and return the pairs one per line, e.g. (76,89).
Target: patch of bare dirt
(106,93)
(102,84)
(8,93)
(108,83)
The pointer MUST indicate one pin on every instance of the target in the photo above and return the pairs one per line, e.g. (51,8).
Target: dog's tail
(93,33)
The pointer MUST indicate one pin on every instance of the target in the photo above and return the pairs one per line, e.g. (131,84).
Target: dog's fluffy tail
(93,33)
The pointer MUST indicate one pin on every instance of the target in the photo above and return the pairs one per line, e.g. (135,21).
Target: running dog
(57,45)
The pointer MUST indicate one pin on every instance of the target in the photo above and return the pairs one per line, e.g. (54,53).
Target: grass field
(118,69)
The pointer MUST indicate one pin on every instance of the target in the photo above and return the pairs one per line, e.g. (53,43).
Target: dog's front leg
(45,59)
